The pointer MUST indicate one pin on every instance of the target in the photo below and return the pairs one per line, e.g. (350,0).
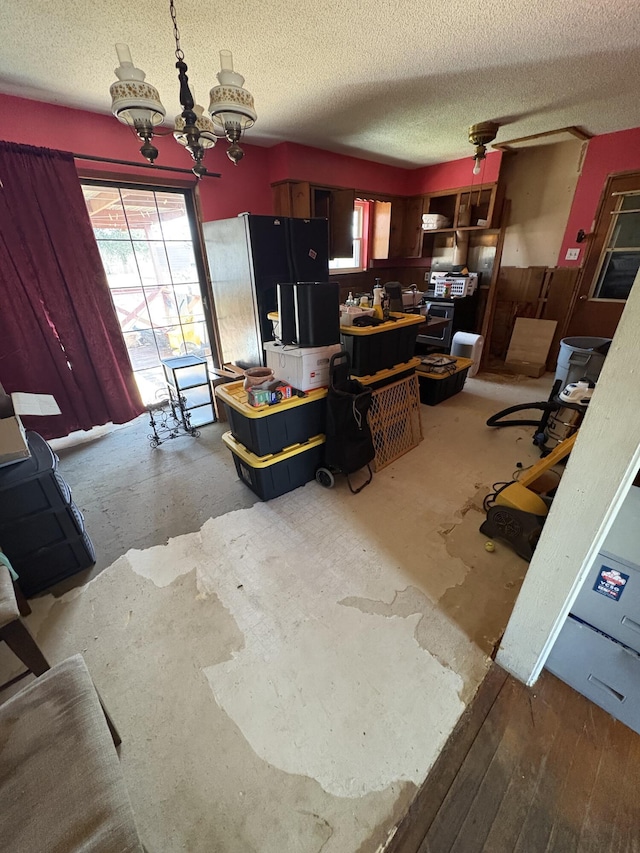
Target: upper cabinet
(396,224)
(463,209)
(305,200)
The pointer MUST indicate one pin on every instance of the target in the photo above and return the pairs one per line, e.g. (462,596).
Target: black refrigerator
(248,256)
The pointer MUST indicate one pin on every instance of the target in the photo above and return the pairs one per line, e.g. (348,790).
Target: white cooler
(305,369)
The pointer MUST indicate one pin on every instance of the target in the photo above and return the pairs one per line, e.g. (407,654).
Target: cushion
(61,785)
(8,605)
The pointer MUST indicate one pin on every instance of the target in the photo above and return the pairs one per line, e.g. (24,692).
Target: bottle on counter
(377,303)
(350,300)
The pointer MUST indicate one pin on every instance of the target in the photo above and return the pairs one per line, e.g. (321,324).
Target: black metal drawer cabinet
(41,529)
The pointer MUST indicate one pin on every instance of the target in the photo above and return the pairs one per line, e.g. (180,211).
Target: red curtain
(59,333)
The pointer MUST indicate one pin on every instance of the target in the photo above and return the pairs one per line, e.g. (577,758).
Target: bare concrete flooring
(285,674)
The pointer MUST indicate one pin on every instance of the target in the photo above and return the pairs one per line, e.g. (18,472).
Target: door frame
(616,182)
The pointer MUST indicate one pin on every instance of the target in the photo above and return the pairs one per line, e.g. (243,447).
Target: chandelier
(481,135)
(137,104)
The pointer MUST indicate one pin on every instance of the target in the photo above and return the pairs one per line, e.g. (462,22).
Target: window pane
(169,341)
(618,274)
(182,262)
(141,213)
(173,216)
(189,302)
(151,384)
(106,213)
(626,233)
(195,340)
(131,308)
(152,261)
(142,349)
(162,305)
(631,202)
(119,263)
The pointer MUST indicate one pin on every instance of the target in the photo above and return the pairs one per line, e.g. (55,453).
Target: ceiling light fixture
(137,104)
(481,135)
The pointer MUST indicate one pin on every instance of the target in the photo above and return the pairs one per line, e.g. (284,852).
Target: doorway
(151,257)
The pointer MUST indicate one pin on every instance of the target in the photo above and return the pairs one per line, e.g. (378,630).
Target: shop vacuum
(515,513)
(561,417)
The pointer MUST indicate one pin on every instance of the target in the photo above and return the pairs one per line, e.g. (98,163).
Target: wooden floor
(529,771)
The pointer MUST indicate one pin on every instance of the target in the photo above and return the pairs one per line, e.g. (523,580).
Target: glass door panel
(146,245)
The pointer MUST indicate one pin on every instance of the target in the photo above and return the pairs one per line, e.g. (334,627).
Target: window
(621,257)
(358,261)
(153,269)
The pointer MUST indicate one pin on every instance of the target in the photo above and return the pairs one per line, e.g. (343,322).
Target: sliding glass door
(146,240)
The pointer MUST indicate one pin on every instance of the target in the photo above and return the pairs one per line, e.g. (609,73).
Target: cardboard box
(13,440)
(526,368)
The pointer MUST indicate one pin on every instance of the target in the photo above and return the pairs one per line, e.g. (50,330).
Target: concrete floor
(285,674)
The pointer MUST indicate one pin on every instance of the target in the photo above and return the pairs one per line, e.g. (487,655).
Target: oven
(442,337)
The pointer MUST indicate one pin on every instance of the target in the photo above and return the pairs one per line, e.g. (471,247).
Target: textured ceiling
(396,81)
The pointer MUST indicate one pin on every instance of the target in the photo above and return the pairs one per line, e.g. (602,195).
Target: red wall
(243,187)
(455,173)
(303,163)
(611,152)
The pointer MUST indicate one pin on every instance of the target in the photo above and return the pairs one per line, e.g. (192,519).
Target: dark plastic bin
(375,348)
(48,566)
(265,430)
(29,534)
(434,388)
(386,377)
(275,475)
(33,485)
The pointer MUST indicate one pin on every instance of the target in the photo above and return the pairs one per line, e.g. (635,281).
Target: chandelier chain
(176,32)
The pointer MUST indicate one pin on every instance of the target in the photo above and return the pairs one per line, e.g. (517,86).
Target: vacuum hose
(543,406)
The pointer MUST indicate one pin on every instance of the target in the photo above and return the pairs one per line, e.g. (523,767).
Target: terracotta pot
(255,376)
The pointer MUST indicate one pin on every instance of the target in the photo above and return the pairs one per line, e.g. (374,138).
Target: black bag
(349,444)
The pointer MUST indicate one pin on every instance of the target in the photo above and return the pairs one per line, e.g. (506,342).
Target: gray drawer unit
(610,599)
(600,669)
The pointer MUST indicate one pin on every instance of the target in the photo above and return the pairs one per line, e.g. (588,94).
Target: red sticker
(313,254)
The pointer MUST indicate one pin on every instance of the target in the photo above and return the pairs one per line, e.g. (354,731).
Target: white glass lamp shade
(204,124)
(231,105)
(133,101)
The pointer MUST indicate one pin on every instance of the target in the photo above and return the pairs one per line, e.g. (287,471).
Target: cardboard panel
(531,340)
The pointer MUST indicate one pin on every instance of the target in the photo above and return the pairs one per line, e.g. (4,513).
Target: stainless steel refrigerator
(248,256)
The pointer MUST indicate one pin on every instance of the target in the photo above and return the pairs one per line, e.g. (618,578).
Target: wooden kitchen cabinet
(292,198)
(305,200)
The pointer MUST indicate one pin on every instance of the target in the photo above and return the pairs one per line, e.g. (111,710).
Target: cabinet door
(292,198)
(412,227)
(381,230)
(341,204)
(396,227)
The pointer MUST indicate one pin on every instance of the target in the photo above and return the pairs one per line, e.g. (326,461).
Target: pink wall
(611,152)
(303,163)
(243,187)
(455,173)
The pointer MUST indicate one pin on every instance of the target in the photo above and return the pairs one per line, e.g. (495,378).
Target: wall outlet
(572,255)
(426,276)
